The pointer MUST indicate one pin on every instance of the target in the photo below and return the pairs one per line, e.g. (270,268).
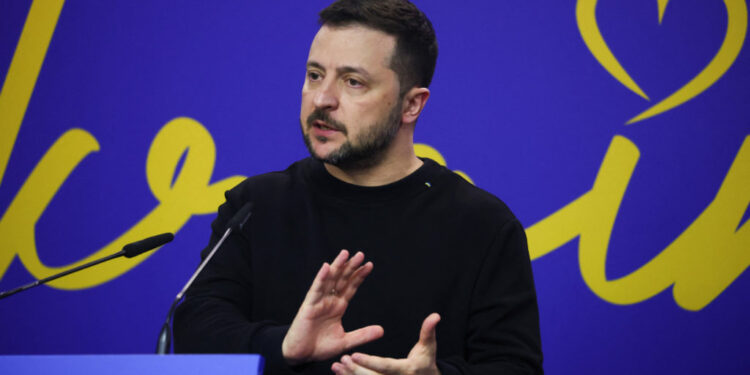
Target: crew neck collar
(326,184)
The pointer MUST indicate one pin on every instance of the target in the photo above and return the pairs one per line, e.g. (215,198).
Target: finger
(318,288)
(340,369)
(427,333)
(356,280)
(378,364)
(337,267)
(325,280)
(338,263)
(351,265)
(362,336)
(354,368)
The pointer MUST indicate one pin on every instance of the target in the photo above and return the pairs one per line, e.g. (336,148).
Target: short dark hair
(416,50)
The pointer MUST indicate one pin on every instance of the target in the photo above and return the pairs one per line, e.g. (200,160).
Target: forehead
(352,45)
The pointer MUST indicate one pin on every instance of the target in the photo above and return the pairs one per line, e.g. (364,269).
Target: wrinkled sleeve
(503,328)
(215,316)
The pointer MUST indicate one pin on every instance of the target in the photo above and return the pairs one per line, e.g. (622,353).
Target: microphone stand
(59,275)
(130,250)
(237,222)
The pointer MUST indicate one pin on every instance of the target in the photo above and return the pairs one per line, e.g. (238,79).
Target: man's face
(350,103)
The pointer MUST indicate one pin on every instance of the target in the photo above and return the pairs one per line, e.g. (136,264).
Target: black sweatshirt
(438,244)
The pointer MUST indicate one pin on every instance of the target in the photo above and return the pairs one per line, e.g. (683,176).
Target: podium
(142,364)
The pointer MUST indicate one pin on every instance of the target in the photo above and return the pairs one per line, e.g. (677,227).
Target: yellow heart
(730,48)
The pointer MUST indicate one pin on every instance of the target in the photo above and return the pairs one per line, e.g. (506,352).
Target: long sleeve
(503,329)
(214,317)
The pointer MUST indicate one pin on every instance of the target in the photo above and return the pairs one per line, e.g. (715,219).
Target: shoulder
(267,192)
(469,200)
(271,183)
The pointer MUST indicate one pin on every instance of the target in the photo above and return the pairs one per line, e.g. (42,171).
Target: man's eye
(313,76)
(353,82)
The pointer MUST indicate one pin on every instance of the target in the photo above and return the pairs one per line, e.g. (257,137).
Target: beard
(366,150)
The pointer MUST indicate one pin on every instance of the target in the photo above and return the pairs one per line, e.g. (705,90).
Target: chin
(323,154)
(318,149)
(322,150)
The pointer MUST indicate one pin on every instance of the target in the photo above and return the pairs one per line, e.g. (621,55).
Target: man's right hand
(316,333)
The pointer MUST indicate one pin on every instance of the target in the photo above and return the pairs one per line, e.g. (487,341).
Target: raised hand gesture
(316,333)
(420,361)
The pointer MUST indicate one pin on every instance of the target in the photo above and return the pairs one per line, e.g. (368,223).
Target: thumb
(427,333)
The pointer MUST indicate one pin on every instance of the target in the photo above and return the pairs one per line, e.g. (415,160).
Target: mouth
(323,130)
(323,126)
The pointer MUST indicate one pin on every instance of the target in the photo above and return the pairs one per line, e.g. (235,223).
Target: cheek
(365,108)
(372,111)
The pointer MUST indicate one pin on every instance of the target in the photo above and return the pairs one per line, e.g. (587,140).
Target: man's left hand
(420,361)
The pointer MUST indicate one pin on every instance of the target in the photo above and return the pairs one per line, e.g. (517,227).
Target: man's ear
(413,103)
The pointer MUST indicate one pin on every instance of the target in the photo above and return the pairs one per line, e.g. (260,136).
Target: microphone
(237,222)
(139,247)
(130,250)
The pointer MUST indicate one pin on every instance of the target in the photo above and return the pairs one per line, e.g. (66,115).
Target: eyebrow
(341,70)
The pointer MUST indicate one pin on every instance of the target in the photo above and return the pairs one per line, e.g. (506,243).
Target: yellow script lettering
(703,261)
(190,194)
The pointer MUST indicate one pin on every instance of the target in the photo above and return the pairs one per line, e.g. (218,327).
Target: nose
(326,96)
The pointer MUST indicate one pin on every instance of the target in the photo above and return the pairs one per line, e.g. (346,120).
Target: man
(445,250)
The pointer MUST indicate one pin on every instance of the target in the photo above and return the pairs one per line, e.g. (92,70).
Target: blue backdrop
(617,131)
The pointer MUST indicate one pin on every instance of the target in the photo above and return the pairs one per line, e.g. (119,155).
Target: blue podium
(142,364)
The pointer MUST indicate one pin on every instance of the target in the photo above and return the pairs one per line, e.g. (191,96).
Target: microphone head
(142,246)
(240,218)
